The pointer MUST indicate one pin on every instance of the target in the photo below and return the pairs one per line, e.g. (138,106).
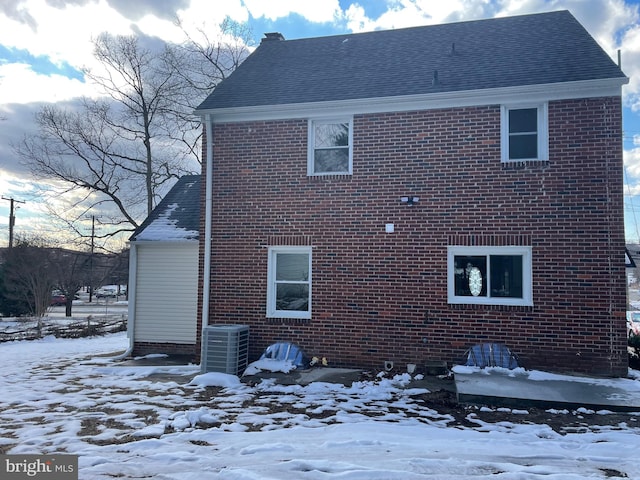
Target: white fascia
(427,101)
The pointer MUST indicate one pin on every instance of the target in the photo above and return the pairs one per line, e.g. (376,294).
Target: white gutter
(206,281)
(425,101)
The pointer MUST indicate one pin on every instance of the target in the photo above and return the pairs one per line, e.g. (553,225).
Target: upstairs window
(289,282)
(330,147)
(490,275)
(524,133)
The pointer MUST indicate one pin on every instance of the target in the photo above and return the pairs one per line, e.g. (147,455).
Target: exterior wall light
(409,200)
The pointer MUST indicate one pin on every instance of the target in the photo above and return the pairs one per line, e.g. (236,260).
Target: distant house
(163,274)
(399,196)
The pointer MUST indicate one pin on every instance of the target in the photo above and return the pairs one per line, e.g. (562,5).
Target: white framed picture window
(289,282)
(489,275)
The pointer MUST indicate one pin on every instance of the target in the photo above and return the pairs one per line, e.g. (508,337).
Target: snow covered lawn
(68,396)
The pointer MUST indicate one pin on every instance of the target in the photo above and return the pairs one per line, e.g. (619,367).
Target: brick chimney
(272,37)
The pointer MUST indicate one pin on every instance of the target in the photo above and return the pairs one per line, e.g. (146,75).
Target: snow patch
(269,365)
(215,379)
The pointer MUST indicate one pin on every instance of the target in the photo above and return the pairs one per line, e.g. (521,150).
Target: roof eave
(504,95)
(165,241)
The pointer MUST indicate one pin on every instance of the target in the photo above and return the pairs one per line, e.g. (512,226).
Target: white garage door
(166,293)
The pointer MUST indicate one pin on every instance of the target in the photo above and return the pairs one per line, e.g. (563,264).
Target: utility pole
(12,218)
(93,236)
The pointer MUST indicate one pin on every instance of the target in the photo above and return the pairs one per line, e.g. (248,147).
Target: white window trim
(527,283)
(311,144)
(543,131)
(271,283)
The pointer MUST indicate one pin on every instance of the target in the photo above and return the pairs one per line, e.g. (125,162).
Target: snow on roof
(176,217)
(166,228)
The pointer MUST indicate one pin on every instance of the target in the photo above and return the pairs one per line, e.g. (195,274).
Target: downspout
(206,281)
(131,293)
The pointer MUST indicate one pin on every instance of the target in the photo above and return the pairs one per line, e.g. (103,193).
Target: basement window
(524,133)
(489,275)
(330,147)
(289,282)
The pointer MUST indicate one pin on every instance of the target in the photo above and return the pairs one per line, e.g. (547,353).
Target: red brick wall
(380,296)
(147,348)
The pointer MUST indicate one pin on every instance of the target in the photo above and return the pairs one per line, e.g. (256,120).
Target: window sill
(330,177)
(524,164)
(287,321)
(484,306)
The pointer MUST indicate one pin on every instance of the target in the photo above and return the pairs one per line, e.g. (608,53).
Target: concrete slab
(491,386)
(522,388)
(344,376)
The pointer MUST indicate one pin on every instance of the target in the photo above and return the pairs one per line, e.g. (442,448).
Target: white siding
(166,298)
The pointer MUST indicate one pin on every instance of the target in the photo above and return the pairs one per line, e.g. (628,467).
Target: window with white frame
(524,133)
(289,282)
(489,275)
(330,147)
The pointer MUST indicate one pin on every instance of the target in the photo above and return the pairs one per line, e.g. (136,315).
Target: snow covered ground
(69,396)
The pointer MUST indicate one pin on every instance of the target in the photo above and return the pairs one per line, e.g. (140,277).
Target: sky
(44,44)
(126,420)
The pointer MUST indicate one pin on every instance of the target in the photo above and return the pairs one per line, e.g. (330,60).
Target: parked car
(633,323)
(106,293)
(58,299)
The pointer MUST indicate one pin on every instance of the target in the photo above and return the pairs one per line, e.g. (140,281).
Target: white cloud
(27,213)
(630,49)
(411,13)
(314,11)
(64,37)
(200,11)
(632,165)
(20,84)
(62,34)
(422,12)
(401,14)
(357,21)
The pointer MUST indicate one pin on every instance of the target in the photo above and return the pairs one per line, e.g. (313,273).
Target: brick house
(403,195)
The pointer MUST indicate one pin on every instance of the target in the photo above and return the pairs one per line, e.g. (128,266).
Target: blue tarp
(286,351)
(491,355)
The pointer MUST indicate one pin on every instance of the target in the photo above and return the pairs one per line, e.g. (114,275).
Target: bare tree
(144,86)
(69,270)
(120,154)
(203,63)
(28,275)
(33,269)
(116,150)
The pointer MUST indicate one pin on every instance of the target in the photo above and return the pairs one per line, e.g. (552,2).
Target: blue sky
(45,43)
(40,64)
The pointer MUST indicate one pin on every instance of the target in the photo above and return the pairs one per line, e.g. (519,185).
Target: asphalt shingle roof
(176,217)
(503,52)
